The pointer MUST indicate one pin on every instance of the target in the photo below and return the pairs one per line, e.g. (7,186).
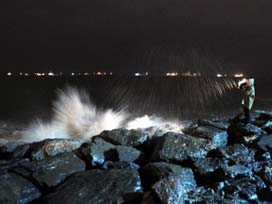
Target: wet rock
(174,188)
(179,148)
(15,189)
(98,187)
(218,137)
(120,165)
(264,115)
(52,170)
(21,151)
(265,143)
(6,165)
(245,188)
(237,153)
(128,154)
(156,171)
(96,152)
(209,165)
(150,198)
(6,150)
(238,169)
(237,132)
(264,170)
(125,137)
(267,126)
(204,195)
(215,124)
(52,147)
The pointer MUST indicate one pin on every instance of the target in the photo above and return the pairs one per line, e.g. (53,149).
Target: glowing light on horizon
(171,74)
(240,75)
(9,74)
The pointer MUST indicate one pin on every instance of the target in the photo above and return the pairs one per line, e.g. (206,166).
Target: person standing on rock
(248,97)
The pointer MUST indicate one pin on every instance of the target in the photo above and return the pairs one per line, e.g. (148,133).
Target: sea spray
(75,117)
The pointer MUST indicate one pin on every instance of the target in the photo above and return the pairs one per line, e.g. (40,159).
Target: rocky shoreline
(210,161)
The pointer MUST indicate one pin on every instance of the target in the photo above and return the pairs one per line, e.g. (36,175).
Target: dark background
(126,36)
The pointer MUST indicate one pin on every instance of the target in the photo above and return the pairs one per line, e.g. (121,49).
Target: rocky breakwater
(211,161)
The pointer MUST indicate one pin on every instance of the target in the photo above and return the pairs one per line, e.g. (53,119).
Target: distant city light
(51,74)
(141,74)
(219,75)
(239,75)
(26,74)
(73,74)
(86,74)
(171,74)
(21,73)
(137,74)
(9,74)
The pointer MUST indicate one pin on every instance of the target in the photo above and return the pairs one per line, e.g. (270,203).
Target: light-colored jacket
(248,95)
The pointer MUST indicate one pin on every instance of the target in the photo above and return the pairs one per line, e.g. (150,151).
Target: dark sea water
(26,99)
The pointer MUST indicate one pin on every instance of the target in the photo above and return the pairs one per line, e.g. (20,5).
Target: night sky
(136,35)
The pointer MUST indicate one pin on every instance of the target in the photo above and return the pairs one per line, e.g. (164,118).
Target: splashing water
(75,117)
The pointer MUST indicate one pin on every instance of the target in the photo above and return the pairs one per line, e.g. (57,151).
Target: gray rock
(264,115)
(179,147)
(215,124)
(120,165)
(238,131)
(125,137)
(267,126)
(156,171)
(128,154)
(218,137)
(52,170)
(238,153)
(174,188)
(52,147)
(265,142)
(238,169)
(204,195)
(209,165)
(98,187)
(95,153)
(15,189)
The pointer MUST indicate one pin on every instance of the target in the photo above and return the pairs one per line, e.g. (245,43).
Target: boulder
(52,147)
(265,143)
(125,137)
(215,124)
(15,189)
(204,195)
(128,154)
(218,137)
(237,153)
(120,165)
(96,152)
(156,171)
(95,186)
(179,147)
(264,115)
(52,170)
(238,131)
(174,188)
(209,165)
(267,126)
(238,169)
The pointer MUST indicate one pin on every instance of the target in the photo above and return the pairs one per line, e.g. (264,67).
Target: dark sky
(136,35)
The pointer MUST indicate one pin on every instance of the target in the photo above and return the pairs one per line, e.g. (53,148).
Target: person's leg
(247,115)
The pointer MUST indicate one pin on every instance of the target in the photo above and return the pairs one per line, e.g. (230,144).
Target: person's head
(243,84)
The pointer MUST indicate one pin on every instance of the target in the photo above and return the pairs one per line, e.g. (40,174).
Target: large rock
(218,137)
(237,153)
(238,169)
(156,171)
(128,154)
(237,130)
(15,189)
(52,147)
(179,148)
(125,137)
(267,126)
(120,165)
(174,188)
(209,165)
(265,143)
(52,170)
(215,124)
(264,115)
(204,195)
(98,187)
(96,152)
